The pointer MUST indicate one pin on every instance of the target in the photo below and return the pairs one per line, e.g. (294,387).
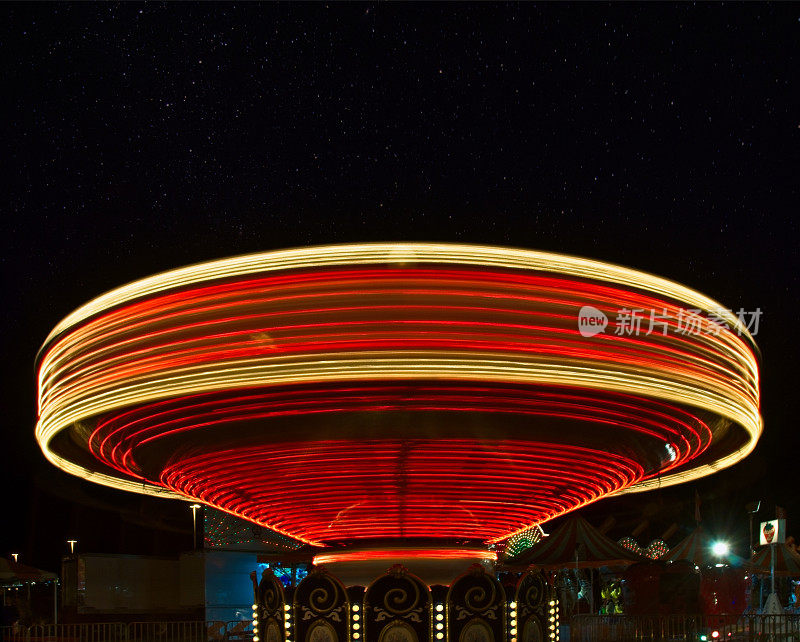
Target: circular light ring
(401,254)
(404,554)
(212,447)
(390,313)
(338,492)
(671,435)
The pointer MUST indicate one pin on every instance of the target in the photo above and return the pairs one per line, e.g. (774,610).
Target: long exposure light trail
(396,390)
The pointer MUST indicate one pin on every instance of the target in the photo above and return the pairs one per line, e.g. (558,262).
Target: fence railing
(676,628)
(190,631)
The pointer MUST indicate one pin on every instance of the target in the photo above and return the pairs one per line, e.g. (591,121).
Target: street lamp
(15,556)
(194,508)
(72,543)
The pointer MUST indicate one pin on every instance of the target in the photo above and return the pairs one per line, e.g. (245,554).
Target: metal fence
(191,631)
(676,628)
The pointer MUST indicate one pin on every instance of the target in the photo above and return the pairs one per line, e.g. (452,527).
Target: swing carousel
(398,401)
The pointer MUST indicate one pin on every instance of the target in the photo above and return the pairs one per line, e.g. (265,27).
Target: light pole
(72,543)
(752,509)
(194,508)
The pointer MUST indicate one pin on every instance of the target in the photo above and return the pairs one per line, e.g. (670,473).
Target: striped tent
(787,562)
(695,548)
(577,544)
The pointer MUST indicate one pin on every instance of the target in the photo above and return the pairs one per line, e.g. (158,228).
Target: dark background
(138,138)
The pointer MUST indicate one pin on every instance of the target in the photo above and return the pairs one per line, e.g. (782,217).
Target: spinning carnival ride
(397,400)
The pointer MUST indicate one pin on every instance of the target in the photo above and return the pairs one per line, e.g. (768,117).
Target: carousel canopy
(787,561)
(576,543)
(14,573)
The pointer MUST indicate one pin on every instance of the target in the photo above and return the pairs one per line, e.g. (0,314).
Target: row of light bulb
(439,617)
(355,621)
(255,623)
(512,621)
(287,621)
(355,624)
(553,621)
(355,617)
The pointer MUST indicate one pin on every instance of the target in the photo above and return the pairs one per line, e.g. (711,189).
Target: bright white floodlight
(721,549)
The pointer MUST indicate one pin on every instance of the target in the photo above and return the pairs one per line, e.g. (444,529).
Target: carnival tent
(787,562)
(577,544)
(15,573)
(695,548)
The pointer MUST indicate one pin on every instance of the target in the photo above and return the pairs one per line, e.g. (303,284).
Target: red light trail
(348,393)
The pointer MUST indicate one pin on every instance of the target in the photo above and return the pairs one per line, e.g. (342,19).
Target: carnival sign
(773,532)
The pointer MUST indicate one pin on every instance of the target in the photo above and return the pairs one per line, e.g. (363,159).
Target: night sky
(138,138)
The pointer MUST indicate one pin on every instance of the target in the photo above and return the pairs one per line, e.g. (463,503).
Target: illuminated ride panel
(354,394)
